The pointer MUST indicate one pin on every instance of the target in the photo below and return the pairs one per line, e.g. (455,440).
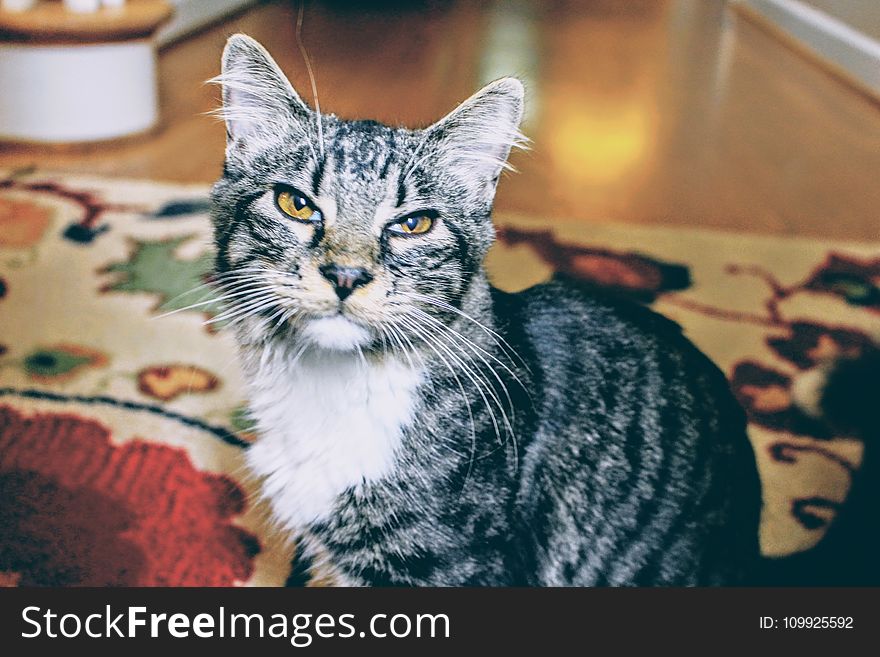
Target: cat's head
(342,233)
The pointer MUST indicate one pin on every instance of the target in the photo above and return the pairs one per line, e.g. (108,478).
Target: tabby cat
(418,426)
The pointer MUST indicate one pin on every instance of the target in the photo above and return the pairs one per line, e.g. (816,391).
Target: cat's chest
(324,426)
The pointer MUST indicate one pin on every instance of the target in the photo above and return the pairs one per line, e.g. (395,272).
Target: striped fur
(429,429)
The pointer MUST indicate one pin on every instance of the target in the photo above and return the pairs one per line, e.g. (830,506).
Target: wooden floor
(645,111)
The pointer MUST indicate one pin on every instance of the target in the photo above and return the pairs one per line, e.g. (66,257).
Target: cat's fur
(430,429)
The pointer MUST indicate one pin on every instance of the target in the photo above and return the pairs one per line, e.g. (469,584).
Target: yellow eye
(413,225)
(297,206)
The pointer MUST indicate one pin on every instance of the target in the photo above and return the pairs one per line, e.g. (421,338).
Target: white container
(17,5)
(82,6)
(78,92)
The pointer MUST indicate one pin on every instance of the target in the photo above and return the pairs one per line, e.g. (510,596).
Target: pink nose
(345,279)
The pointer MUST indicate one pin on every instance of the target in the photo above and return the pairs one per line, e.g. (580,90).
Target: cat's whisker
(403,336)
(389,330)
(477,350)
(472,345)
(279,317)
(188,292)
(209,284)
(254,277)
(201,302)
(454,335)
(385,346)
(299,354)
(439,325)
(499,339)
(229,323)
(478,382)
(362,358)
(467,402)
(440,303)
(240,273)
(286,316)
(251,271)
(244,285)
(250,308)
(220,299)
(246,301)
(453,348)
(411,163)
(308,62)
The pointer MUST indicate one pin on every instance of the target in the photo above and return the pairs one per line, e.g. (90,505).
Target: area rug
(121,431)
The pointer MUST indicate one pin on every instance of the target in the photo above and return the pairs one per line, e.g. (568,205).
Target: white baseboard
(190,15)
(844,47)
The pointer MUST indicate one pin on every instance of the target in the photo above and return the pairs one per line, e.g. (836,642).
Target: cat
(844,394)
(419,427)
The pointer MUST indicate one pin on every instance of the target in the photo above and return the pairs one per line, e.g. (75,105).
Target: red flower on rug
(633,274)
(81,511)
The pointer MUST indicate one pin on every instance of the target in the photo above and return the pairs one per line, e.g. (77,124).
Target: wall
(862,15)
(190,15)
(851,49)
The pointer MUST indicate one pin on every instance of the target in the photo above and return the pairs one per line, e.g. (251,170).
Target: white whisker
(499,340)
(308,61)
(468,372)
(464,397)
(453,336)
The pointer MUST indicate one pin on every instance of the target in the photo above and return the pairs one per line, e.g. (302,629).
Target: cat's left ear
(474,140)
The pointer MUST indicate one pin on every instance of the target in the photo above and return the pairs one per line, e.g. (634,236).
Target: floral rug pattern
(122,416)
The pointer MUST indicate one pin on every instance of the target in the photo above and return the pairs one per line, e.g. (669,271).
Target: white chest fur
(327,423)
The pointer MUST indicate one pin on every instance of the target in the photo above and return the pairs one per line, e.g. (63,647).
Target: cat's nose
(345,279)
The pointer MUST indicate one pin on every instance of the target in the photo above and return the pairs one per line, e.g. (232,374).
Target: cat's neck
(326,423)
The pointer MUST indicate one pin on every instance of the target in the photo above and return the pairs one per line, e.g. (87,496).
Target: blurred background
(756,115)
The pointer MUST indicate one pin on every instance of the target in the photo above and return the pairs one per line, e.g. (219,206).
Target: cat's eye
(296,205)
(415,224)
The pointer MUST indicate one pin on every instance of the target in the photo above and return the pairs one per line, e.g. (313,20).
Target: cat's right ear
(258,100)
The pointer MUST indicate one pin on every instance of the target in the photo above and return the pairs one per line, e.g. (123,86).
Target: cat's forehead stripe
(383,174)
(318,175)
(363,148)
(401,189)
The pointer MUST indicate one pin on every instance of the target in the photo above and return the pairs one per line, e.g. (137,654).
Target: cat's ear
(258,99)
(476,137)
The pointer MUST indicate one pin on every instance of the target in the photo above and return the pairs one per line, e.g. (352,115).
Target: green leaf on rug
(154,268)
(52,362)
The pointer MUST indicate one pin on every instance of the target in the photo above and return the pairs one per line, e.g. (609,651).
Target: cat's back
(570,329)
(639,470)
